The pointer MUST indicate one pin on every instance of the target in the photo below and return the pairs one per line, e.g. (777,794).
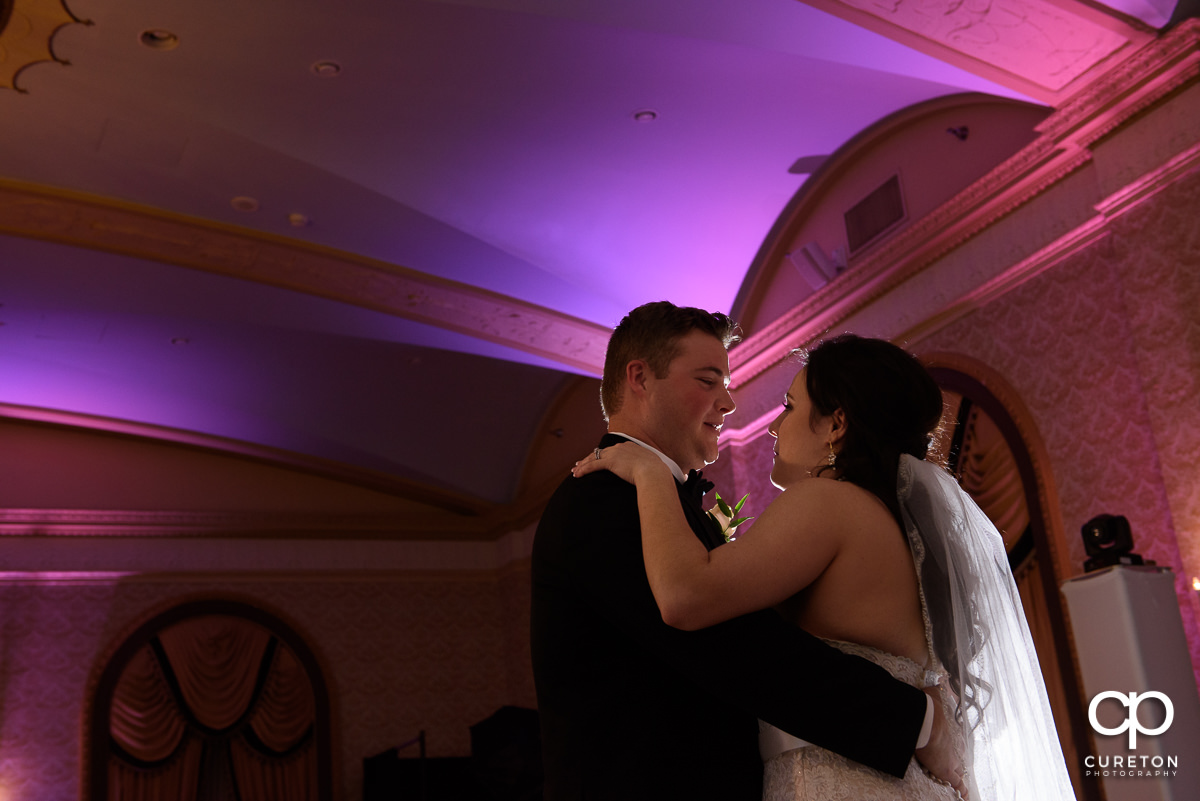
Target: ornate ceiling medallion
(27,29)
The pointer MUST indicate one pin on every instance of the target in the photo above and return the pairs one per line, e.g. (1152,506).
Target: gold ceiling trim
(105,224)
(27,29)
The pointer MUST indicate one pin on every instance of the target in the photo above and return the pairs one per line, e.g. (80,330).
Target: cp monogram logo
(1131,722)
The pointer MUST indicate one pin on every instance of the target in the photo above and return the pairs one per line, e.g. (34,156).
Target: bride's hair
(890,402)
(892,406)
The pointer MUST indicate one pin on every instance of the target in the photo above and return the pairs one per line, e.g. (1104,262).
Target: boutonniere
(726,517)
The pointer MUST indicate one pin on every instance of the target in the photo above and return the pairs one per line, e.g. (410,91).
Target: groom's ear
(636,373)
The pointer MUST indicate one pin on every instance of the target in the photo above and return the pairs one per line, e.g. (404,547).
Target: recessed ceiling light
(244,203)
(645,115)
(159,39)
(327,69)
(297,220)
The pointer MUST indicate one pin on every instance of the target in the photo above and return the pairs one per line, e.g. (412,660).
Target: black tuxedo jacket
(634,709)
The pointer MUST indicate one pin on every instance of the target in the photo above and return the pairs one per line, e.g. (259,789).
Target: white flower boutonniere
(726,517)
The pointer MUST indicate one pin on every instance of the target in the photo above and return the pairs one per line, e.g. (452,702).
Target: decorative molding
(27,30)
(117,227)
(124,554)
(1156,70)
(187,524)
(1147,186)
(1043,43)
(1044,50)
(253,578)
(889,263)
(1163,67)
(1067,245)
(781,239)
(1093,230)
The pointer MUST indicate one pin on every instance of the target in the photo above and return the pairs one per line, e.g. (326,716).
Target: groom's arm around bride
(632,708)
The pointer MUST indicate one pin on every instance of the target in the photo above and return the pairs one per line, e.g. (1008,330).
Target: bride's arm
(791,543)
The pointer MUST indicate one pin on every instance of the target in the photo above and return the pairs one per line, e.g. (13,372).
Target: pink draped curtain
(214,694)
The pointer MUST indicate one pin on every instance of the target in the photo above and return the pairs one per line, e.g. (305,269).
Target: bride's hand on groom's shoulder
(628,460)
(942,755)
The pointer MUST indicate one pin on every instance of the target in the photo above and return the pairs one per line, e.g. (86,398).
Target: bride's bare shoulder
(821,488)
(839,501)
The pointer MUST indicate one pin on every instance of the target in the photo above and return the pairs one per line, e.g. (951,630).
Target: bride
(880,553)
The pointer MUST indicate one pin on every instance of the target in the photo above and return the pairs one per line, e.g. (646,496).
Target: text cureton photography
(1132,764)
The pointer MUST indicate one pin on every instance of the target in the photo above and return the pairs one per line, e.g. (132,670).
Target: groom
(632,708)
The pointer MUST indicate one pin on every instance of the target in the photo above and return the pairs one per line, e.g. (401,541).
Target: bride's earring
(832,458)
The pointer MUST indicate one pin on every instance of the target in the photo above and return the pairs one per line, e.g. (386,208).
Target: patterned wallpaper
(1103,349)
(400,655)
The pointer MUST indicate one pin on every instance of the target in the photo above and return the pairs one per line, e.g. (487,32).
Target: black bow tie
(695,487)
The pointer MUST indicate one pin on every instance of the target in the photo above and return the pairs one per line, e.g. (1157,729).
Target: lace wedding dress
(811,773)
(1008,741)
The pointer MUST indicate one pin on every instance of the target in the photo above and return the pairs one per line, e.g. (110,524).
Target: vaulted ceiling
(384,236)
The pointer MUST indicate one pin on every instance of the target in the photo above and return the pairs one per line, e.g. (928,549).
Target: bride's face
(801,443)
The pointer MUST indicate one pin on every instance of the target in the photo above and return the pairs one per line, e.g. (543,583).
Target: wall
(1102,349)
(98,533)
(401,654)
(1070,274)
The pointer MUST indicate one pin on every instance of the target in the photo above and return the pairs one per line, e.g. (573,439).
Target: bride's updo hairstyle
(891,405)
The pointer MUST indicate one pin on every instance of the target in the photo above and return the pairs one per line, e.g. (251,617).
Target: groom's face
(686,407)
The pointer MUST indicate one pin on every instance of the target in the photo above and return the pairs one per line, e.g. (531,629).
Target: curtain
(990,476)
(216,661)
(210,701)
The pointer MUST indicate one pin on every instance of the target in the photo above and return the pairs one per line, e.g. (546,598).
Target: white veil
(978,631)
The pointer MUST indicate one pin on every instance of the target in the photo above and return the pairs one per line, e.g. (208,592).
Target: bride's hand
(628,460)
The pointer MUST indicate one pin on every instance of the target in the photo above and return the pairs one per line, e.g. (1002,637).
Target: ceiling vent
(874,215)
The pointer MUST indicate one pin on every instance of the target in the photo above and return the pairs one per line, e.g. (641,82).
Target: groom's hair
(651,332)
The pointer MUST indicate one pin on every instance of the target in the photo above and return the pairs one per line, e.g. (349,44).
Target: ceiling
(527,170)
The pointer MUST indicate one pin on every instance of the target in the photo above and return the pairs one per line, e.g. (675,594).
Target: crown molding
(58,552)
(888,264)
(106,224)
(1044,49)
(1083,236)
(1137,83)
(218,525)
(27,31)
(1161,69)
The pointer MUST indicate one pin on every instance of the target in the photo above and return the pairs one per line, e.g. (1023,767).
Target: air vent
(874,214)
